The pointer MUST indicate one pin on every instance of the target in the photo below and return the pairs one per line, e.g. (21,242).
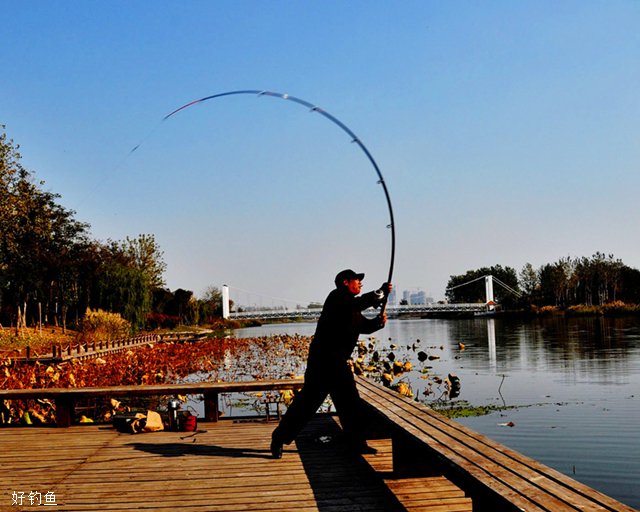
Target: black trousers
(322,379)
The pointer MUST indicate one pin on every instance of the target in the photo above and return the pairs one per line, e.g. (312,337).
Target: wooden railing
(94,348)
(86,350)
(66,398)
(497,477)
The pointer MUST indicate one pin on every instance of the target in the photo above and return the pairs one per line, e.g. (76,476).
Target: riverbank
(616,308)
(611,309)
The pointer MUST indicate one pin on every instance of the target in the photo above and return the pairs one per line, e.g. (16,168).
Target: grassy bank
(616,308)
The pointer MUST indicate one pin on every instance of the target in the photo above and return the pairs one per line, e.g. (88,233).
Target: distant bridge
(392,311)
(294,313)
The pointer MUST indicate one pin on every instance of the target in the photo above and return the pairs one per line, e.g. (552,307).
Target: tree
(607,274)
(76,285)
(182,304)
(145,255)
(529,281)
(554,282)
(36,237)
(583,281)
(211,304)
(629,285)
(122,285)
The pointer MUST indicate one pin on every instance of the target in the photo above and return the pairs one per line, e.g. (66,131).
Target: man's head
(351,280)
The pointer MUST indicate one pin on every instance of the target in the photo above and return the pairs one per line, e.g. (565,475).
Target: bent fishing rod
(336,121)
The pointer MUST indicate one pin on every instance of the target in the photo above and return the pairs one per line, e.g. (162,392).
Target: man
(328,371)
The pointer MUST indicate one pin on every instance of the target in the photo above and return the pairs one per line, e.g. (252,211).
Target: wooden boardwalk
(225,466)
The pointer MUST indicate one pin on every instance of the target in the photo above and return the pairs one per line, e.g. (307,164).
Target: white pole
(488,287)
(225,301)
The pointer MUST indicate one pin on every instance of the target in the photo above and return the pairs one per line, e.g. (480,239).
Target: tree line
(589,281)
(52,271)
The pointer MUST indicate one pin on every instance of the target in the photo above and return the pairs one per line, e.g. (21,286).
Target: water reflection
(491,341)
(587,350)
(538,358)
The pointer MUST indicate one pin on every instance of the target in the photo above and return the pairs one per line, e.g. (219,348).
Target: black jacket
(340,324)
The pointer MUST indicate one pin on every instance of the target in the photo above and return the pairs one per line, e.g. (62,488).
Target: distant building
(416,298)
(392,298)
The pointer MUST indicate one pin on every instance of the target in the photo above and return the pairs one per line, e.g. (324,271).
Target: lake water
(572,386)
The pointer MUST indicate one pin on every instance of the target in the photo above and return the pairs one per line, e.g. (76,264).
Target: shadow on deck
(225,466)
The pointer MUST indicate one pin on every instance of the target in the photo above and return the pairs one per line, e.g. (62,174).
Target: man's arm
(371,325)
(373,299)
(367,300)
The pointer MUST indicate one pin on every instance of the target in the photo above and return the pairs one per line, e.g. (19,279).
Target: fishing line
(111,174)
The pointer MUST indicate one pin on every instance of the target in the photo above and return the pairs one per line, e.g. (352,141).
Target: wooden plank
(418,494)
(524,488)
(488,474)
(226,466)
(525,482)
(154,389)
(575,493)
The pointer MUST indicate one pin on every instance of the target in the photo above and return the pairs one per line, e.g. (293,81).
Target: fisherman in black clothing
(328,371)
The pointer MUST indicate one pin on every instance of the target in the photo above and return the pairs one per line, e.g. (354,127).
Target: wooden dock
(225,466)
(425,462)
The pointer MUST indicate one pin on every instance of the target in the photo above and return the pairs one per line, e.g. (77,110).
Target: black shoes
(359,447)
(276,448)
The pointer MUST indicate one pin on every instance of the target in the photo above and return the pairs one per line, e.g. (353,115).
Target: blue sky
(507,132)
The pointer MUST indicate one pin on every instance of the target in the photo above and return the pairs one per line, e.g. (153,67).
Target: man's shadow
(340,479)
(192,448)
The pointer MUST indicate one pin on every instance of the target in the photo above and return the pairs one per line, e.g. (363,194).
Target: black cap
(347,275)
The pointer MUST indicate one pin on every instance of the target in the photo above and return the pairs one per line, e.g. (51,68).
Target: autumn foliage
(217,359)
(214,359)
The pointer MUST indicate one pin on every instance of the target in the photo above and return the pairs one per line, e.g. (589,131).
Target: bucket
(188,422)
